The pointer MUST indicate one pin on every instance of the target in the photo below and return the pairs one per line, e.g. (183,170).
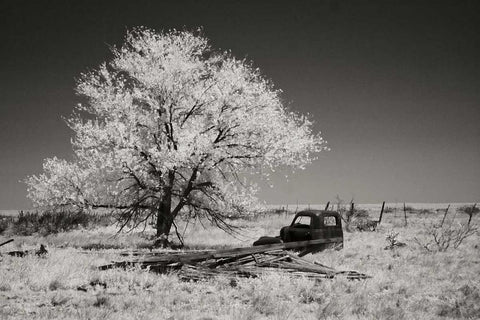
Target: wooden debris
(239,262)
(92,285)
(40,252)
(4,243)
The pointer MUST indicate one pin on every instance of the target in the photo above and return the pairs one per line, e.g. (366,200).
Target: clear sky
(394,86)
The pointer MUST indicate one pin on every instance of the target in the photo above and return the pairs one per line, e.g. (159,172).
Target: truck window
(329,221)
(302,222)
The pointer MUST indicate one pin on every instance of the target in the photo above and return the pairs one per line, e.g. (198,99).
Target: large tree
(169,126)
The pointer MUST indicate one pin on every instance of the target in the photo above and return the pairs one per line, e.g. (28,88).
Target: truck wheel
(284,235)
(288,238)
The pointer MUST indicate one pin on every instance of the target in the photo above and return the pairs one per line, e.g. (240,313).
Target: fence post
(405,214)
(471,214)
(444,216)
(381,213)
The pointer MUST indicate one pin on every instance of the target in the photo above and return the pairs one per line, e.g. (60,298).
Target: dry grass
(407,283)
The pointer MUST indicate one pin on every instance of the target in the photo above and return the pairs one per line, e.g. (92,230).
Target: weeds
(413,285)
(461,304)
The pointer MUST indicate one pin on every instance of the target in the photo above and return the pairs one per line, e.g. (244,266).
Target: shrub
(389,210)
(55,285)
(424,211)
(468,209)
(102,301)
(443,237)
(351,216)
(5,223)
(59,299)
(365,224)
(357,218)
(392,241)
(47,222)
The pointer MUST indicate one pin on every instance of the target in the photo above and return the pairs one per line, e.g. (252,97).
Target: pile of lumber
(238,262)
(255,264)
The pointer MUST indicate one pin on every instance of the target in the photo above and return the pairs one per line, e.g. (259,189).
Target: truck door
(300,229)
(331,227)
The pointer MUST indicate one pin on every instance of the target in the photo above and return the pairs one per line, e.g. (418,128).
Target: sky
(394,86)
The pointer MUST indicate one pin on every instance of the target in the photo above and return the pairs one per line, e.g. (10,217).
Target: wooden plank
(322,265)
(170,258)
(272,260)
(218,262)
(303,268)
(158,253)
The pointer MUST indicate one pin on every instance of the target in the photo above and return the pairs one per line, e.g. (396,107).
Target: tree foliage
(171,126)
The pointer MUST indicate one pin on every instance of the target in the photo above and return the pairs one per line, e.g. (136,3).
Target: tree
(168,127)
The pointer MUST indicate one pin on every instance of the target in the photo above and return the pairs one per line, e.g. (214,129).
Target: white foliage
(168,103)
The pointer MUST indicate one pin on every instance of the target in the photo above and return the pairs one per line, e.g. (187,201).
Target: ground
(407,282)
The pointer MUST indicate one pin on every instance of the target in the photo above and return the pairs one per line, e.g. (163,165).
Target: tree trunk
(164,223)
(164,215)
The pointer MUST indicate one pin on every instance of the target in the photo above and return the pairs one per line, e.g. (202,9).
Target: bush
(5,223)
(443,237)
(424,211)
(357,218)
(468,210)
(47,222)
(392,240)
(365,224)
(389,209)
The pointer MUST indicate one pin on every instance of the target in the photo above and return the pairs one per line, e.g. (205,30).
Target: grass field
(407,282)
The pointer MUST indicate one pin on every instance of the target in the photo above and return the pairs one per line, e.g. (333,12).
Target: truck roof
(315,212)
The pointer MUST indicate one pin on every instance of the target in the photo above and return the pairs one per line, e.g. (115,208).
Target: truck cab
(312,225)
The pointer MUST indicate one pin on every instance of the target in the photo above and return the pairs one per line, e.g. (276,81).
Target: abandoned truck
(311,225)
